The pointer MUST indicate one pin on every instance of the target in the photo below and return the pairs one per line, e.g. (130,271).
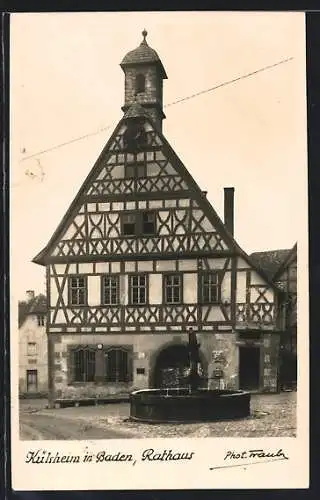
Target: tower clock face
(134,137)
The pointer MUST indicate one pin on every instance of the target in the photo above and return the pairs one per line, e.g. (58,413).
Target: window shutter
(70,366)
(130,366)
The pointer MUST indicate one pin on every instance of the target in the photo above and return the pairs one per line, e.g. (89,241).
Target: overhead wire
(177,101)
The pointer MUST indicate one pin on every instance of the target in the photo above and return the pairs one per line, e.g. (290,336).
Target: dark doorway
(249,368)
(32,380)
(170,365)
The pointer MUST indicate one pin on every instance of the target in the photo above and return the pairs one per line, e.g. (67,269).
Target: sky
(66,83)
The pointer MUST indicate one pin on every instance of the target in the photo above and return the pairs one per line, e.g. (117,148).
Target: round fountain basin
(181,405)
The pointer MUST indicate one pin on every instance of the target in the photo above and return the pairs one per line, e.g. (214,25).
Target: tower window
(140,83)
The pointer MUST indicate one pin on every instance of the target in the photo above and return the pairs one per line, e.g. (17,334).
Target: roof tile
(269,261)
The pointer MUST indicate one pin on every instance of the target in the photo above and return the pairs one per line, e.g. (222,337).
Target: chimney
(228,209)
(30,295)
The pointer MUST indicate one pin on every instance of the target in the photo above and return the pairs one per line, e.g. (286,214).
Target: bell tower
(144,75)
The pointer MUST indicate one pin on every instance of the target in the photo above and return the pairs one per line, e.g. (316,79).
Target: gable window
(77,291)
(117,365)
(135,170)
(173,288)
(140,83)
(110,290)
(148,223)
(83,361)
(40,319)
(138,289)
(209,287)
(31,349)
(138,223)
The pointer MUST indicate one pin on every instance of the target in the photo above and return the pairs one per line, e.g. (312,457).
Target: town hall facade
(141,259)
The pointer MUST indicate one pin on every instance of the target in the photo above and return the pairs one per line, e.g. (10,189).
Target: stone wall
(219,354)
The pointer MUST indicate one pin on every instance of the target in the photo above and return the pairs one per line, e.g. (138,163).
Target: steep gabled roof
(37,305)
(269,261)
(292,255)
(199,195)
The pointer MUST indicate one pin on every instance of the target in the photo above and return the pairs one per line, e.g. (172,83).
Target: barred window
(138,289)
(83,362)
(110,290)
(77,291)
(209,287)
(40,319)
(173,288)
(117,365)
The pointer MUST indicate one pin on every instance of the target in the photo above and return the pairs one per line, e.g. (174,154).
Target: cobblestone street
(272,415)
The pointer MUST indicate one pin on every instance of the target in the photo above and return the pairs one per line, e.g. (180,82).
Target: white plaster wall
(241,286)
(190,288)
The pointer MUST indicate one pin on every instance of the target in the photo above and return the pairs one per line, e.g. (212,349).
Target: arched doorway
(170,365)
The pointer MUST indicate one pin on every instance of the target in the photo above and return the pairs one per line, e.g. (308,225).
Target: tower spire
(144,34)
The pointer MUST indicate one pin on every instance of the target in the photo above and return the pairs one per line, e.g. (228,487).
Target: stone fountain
(191,403)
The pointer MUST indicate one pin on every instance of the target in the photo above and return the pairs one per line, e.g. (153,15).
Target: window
(83,361)
(173,288)
(40,320)
(209,288)
(148,223)
(77,291)
(139,223)
(129,224)
(137,170)
(140,83)
(110,290)
(117,365)
(32,348)
(138,289)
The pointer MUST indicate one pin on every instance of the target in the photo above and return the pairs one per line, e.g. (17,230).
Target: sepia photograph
(158,235)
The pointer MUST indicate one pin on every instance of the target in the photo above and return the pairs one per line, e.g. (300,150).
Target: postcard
(159,251)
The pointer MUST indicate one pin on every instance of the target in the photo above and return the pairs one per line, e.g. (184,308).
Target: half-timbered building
(141,258)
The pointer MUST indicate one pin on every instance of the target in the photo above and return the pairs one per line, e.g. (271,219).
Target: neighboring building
(33,360)
(141,258)
(281,267)
(286,279)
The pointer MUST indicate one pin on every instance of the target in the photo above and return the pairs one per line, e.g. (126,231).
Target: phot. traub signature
(250,457)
